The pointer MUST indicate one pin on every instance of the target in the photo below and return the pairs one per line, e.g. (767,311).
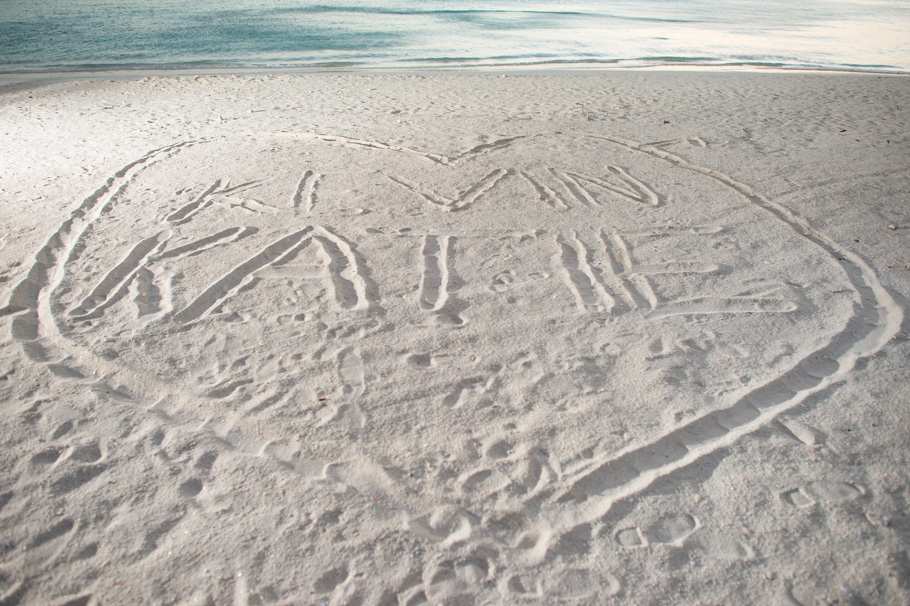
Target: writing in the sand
(603,276)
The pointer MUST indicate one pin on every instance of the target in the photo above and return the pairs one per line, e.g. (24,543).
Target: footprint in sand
(671,529)
(571,585)
(832,492)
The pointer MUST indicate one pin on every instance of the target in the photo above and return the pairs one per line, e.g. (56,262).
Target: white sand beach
(591,338)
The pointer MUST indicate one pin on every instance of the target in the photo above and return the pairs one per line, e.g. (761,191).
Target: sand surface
(455,339)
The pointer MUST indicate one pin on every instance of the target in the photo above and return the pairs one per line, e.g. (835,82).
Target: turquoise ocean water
(87,35)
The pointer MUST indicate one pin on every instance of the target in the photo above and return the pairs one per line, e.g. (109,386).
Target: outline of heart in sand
(47,332)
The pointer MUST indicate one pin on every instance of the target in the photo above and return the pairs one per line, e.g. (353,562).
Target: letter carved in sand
(499,305)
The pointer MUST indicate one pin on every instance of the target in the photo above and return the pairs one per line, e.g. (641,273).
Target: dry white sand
(456,339)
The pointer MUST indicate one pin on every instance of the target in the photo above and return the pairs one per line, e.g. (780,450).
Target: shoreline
(18,79)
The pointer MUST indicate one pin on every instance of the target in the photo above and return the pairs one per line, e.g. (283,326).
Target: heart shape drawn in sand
(560,318)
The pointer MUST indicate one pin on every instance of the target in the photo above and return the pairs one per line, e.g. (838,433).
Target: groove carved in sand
(600,269)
